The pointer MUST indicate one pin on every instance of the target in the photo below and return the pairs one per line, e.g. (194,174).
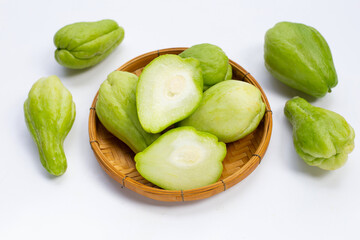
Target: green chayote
(228,76)
(322,138)
(116,110)
(49,114)
(84,44)
(299,56)
(230,110)
(213,62)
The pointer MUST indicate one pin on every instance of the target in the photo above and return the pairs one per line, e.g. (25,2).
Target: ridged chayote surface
(213,62)
(321,137)
(116,110)
(84,44)
(49,114)
(299,56)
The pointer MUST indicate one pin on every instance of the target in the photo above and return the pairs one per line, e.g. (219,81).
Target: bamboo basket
(243,156)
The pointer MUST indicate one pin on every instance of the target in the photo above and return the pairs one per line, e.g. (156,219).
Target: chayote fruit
(182,159)
(322,138)
(116,110)
(228,76)
(169,90)
(49,114)
(213,62)
(84,44)
(230,110)
(299,56)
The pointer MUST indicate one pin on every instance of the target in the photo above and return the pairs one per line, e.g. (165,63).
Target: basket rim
(125,180)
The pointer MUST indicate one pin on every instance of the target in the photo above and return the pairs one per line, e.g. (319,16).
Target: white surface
(282,199)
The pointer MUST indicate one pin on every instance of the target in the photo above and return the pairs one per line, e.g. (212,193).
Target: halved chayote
(322,138)
(116,110)
(230,110)
(182,158)
(299,56)
(49,114)
(84,44)
(169,90)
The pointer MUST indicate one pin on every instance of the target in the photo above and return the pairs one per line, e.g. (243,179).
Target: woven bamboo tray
(243,156)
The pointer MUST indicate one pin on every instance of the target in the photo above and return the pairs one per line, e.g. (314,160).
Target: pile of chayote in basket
(182,109)
(169,93)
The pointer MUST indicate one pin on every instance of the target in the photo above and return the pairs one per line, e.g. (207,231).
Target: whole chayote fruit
(213,62)
(84,44)
(116,110)
(229,110)
(49,114)
(299,56)
(322,138)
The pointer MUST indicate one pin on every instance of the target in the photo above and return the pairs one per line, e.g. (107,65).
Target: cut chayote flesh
(182,158)
(116,110)
(322,138)
(169,90)
(84,44)
(230,110)
(213,61)
(49,114)
(299,56)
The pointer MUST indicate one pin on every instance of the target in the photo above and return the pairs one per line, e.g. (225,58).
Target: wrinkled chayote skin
(213,62)
(230,110)
(299,56)
(84,44)
(49,114)
(228,76)
(116,110)
(321,137)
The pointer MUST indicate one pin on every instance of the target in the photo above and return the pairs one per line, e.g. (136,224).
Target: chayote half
(230,110)
(84,44)
(49,114)
(116,110)
(181,159)
(322,138)
(169,90)
(299,56)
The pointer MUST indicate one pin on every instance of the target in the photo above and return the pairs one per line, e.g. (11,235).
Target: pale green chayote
(116,110)
(49,114)
(213,62)
(84,44)
(321,137)
(299,56)
(229,110)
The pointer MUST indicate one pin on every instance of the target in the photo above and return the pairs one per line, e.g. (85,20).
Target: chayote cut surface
(49,114)
(84,44)
(182,158)
(230,110)
(321,137)
(299,56)
(116,110)
(169,90)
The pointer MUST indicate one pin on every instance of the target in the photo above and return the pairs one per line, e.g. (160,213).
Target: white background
(282,199)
